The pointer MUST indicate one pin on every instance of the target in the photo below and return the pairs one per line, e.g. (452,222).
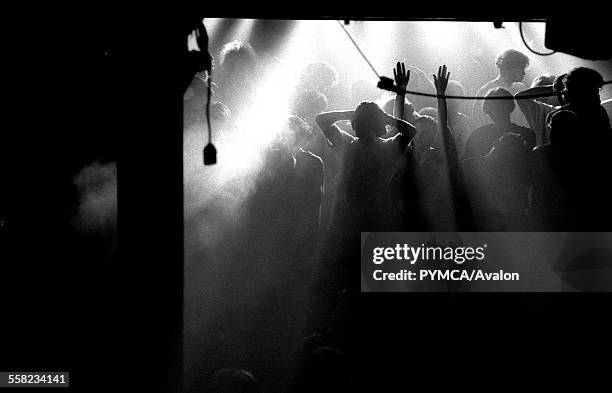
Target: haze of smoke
(97,187)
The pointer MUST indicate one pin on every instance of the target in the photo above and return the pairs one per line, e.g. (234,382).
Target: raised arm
(401,80)
(326,121)
(441,82)
(463,215)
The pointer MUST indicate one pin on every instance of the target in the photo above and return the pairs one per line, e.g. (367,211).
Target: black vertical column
(150,209)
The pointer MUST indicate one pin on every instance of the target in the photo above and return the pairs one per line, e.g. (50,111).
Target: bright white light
(378,39)
(265,114)
(211,25)
(439,35)
(243,33)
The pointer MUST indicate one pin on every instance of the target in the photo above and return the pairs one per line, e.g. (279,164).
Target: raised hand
(441,81)
(401,76)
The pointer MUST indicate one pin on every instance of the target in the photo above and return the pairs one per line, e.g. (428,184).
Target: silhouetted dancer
(498,185)
(553,182)
(511,65)
(536,110)
(459,203)
(481,140)
(366,161)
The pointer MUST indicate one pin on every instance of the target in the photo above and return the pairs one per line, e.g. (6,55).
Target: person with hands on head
(367,164)
(537,109)
(369,122)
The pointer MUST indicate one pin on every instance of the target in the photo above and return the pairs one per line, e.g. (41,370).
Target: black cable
(387,83)
(209,152)
(359,50)
(528,47)
(526,97)
(208,89)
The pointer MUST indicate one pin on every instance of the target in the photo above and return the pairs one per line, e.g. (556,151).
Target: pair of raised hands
(402,77)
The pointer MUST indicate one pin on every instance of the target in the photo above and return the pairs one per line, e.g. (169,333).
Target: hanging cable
(359,49)
(388,84)
(210,152)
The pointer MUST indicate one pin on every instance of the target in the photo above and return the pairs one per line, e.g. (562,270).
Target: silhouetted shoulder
(607,105)
(391,139)
(478,138)
(308,158)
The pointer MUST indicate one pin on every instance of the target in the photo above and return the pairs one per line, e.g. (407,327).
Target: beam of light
(223,30)
(263,116)
(244,30)
(212,25)
(379,38)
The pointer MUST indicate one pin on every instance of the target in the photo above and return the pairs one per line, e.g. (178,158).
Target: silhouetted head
(409,112)
(455,88)
(318,76)
(220,115)
(546,80)
(582,86)
(308,104)
(512,64)
(429,111)
(498,110)
(294,133)
(563,125)
(368,120)
(427,133)
(559,88)
(232,380)
(238,60)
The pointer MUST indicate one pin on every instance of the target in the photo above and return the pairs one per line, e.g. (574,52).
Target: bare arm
(326,121)
(401,80)
(532,107)
(406,130)
(526,103)
(441,82)
(459,196)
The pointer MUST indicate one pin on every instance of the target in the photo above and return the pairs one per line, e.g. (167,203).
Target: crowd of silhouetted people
(360,160)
